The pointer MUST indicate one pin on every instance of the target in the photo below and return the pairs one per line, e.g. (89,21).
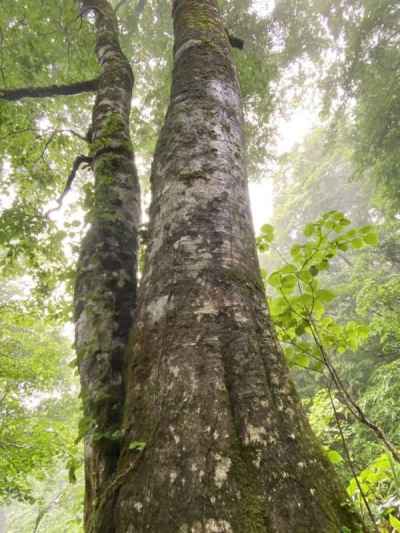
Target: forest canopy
(320,92)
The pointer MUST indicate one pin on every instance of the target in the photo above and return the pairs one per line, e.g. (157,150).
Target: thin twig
(351,404)
(349,460)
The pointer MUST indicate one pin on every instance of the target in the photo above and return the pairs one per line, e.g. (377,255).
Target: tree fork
(105,290)
(215,439)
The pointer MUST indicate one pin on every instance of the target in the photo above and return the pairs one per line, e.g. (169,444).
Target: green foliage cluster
(316,338)
(301,300)
(38,404)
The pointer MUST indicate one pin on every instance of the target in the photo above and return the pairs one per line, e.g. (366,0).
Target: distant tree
(354,48)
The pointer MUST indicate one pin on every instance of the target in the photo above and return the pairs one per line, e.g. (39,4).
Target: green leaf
(325,295)
(342,246)
(301,360)
(394,522)
(267,232)
(309,230)
(334,457)
(371,238)
(300,329)
(278,305)
(137,445)
(275,279)
(295,251)
(289,268)
(357,243)
(306,300)
(289,281)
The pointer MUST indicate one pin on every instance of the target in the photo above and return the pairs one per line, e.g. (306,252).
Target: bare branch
(79,160)
(49,91)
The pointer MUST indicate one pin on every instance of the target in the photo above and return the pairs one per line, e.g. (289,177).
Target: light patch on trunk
(185,46)
(207,309)
(256,435)
(257,460)
(241,318)
(188,243)
(210,526)
(174,371)
(223,93)
(174,435)
(103,50)
(221,470)
(157,309)
(218,526)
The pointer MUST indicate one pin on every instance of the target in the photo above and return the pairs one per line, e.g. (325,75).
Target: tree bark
(215,438)
(105,291)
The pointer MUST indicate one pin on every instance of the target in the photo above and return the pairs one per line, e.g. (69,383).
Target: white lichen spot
(213,500)
(207,309)
(257,460)
(174,435)
(290,412)
(158,308)
(241,318)
(138,506)
(285,475)
(292,436)
(312,491)
(275,380)
(256,435)
(221,470)
(301,465)
(223,92)
(172,477)
(217,526)
(174,371)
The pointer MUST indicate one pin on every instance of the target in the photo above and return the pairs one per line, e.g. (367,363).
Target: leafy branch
(309,335)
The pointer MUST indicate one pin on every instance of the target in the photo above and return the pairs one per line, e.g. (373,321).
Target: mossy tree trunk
(215,438)
(105,290)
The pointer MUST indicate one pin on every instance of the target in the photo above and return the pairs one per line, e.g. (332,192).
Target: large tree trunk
(215,439)
(105,290)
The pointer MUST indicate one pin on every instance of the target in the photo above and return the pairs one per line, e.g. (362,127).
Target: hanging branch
(68,89)
(79,160)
